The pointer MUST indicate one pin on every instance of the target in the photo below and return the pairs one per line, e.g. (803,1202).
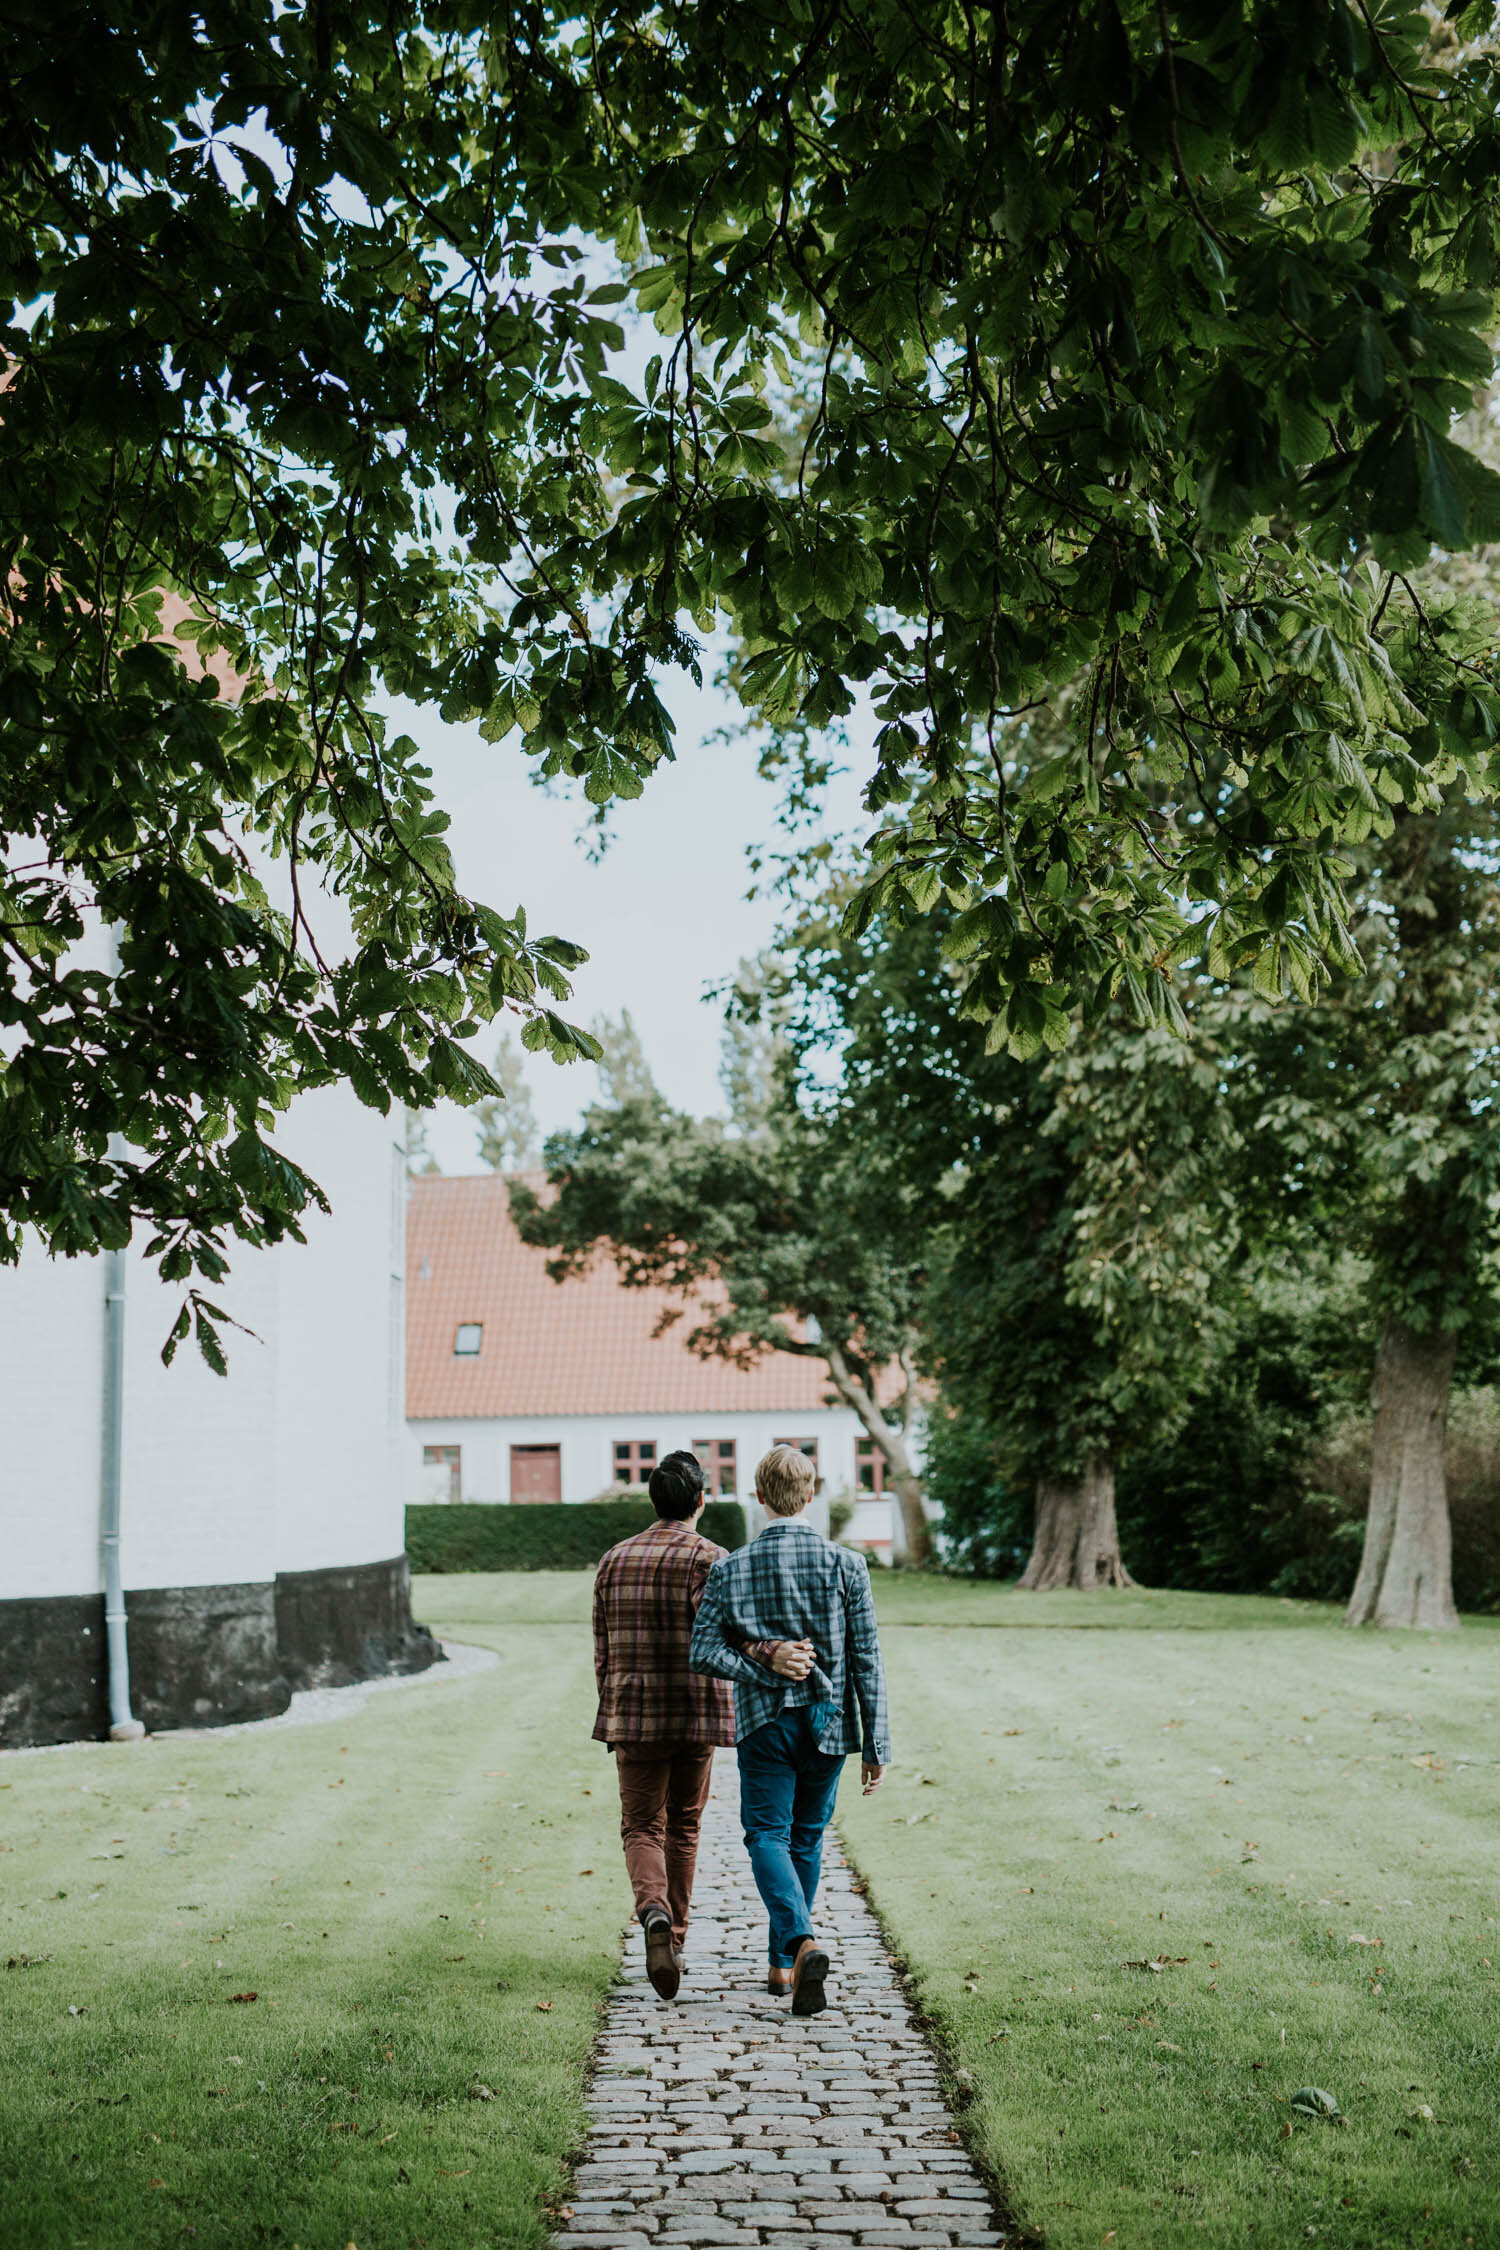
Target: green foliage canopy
(1115,338)
(1080,1226)
(1370,1119)
(1109,339)
(277,342)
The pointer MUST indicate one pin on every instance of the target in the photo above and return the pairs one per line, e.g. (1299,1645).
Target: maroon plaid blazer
(646,1596)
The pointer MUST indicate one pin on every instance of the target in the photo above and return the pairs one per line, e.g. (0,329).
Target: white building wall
(51,1352)
(292,1462)
(340,1376)
(198,1485)
(587,1442)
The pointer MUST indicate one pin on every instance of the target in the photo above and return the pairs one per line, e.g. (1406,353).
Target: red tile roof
(572,1347)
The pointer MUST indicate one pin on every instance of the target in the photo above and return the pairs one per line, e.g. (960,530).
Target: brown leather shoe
(663,1961)
(779,1982)
(809,1971)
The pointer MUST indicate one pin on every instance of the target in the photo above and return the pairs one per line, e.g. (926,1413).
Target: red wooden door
(535,1473)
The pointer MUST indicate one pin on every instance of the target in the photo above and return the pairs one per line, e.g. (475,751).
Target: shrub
(551,1536)
(1237,1500)
(986,1528)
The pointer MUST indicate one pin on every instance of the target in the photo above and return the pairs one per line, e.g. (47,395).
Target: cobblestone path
(720,2118)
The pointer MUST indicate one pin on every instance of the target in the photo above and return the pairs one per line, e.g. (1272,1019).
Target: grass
(1296,1822)
(1242,1793)
(913,1598)
(402,1890)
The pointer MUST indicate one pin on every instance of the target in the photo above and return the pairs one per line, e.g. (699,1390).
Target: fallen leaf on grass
(72,2011)
(544,2007)
(27,1960)
(478,2093)
(240,1997)
(386,2137)
(1357,1937)
(1316,2101)
(463,2175)
(1162,1961)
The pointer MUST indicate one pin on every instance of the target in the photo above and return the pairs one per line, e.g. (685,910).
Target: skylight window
(467,1338)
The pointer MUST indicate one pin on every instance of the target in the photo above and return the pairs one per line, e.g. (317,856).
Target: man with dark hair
(661,1720)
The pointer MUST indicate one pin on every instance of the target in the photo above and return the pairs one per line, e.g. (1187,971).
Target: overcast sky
(664,914)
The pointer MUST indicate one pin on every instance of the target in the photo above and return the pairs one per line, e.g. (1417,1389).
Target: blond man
(792,1735)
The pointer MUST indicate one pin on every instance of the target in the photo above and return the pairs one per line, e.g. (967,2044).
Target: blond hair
(784,1480)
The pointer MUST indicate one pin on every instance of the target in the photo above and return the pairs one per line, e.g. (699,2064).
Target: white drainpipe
(124,1726)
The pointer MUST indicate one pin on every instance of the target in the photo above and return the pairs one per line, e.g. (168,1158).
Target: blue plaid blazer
(792,1584)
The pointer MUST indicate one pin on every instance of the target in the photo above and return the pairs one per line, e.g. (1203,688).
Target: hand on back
(793,1660)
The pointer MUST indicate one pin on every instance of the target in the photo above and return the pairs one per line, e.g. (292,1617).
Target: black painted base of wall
(337,1626)
(203,1656)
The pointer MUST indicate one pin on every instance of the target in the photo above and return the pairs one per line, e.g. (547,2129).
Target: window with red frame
(635,1458)
(450,1458)
(716,1459)
(869,1466)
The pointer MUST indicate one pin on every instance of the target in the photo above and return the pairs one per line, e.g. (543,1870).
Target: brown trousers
(663,1789)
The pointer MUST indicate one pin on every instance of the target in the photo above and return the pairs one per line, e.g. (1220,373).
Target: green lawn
(1243,1789)
(400,1890)
(1302,1820)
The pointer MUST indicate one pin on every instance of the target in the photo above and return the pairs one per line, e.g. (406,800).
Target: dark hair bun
(675,1485)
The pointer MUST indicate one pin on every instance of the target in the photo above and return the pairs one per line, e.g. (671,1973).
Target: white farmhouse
(520,1388)
(261,1528)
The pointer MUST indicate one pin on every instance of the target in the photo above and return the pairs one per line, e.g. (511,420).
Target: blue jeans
(787,1791)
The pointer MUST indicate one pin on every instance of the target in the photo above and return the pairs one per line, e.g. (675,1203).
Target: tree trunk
(1406,1572)
(908,1490)
(891,1438)
(1077,1541)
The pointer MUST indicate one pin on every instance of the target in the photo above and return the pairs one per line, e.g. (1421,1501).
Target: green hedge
(553,1536)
